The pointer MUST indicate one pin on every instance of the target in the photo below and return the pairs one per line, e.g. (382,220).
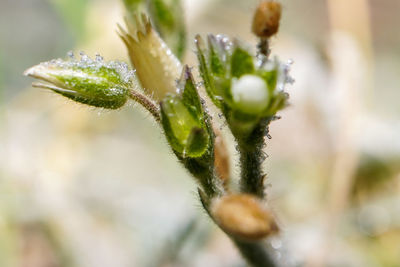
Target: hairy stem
(251,159)
(147,103)
(204,172)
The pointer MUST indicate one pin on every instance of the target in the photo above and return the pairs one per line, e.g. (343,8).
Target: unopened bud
(243,216)
(156,66)
(92,82)
(266,19)
(250,94)
(183,119)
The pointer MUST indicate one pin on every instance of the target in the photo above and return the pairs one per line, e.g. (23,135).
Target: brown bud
(221,158)
(266,19)
(243,216)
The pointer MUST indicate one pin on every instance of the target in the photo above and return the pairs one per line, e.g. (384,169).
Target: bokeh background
(84,187)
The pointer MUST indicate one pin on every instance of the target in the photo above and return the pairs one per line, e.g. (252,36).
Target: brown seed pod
(266,19)
(243,216)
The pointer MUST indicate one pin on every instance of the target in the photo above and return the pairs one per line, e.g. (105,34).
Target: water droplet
(276,242)
(263,156)
(71,55)
(99,58)
(276,117)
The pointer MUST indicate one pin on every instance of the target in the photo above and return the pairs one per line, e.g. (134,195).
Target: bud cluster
(245,90)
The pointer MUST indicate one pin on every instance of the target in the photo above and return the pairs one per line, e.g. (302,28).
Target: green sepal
(241,62)
(168,20)
(197,142)
(190,96)
(98,99)
(184,121)
(216,55)
(278,102)
(205,72)
(134,7)
(241,123)
(271,78)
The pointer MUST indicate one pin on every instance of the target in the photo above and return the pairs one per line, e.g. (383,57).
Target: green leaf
(92,82)
(241,62)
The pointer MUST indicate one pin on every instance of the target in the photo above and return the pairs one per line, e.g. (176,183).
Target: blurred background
(84,187)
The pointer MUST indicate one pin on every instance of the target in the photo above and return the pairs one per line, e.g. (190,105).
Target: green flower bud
(92,82)
(184,120)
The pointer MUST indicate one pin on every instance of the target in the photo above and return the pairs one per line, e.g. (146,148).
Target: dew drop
(263,156)
(71,55)
(99,58)
(276,243)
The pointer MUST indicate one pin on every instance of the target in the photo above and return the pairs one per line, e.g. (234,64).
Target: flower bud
(250,94)
(266,19)
(91,82)
(184,120)
(243,216)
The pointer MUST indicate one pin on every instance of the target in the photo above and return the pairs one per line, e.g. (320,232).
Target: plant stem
(251,158)
(255,253)
(147,103)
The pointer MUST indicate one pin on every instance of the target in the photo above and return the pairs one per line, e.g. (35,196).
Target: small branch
(251,175)
(263,50)
(147,103)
